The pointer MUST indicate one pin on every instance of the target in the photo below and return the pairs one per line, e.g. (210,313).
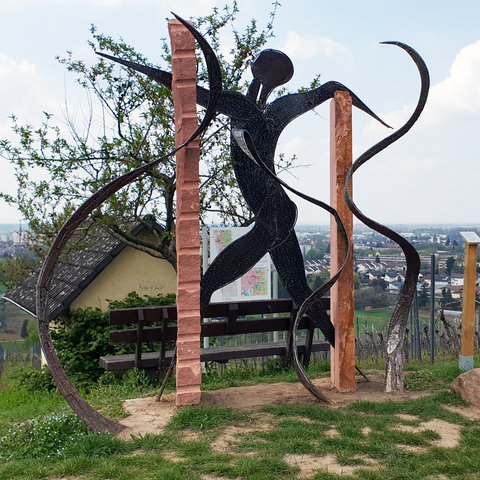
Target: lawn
(424,438)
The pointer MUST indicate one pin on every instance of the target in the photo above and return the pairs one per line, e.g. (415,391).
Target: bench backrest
(226,318)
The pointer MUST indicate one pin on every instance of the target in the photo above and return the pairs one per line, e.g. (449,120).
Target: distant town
(13,240)
(378,261)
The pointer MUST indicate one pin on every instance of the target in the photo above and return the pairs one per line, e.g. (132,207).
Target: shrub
(35,380)
(80,341)
(82,338)
(133,299)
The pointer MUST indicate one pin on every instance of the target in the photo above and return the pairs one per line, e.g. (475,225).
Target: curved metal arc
(87,414)
(378,147)
(245,142)
(213,69)
(400,312)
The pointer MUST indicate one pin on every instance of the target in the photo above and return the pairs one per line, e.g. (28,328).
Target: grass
(368,440)
(17,405)
(205,418)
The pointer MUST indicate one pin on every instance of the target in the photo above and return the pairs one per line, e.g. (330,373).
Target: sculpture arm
(233,104)
(287,108)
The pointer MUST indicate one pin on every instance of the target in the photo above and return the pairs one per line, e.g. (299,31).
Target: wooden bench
(158,324)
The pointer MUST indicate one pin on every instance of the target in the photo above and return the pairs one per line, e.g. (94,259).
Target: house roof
(78,268)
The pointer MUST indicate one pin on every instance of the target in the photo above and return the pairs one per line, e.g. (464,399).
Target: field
(375,320)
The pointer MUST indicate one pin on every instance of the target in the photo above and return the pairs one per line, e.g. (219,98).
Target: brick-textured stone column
(342,305)
(188,371)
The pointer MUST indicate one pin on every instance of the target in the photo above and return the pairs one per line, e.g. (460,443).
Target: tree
(24,329)
(12,270)
(449,265)
(130,124)
(316,253)
(380,282)
(3,315)
(372,297)
(357,280)
(316,280)
(423,296)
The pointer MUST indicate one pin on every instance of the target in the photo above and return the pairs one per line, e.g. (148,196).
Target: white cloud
(459,93)
(305,47)
(27,93)
(105,3)
(10,68)
(408,164)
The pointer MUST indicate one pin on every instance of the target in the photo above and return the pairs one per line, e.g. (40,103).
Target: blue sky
(430,176)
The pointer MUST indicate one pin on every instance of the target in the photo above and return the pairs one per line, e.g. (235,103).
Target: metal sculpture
(275,214)
(256,127)
(396,329)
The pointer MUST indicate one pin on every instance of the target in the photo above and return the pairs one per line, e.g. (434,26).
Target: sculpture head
(270,69)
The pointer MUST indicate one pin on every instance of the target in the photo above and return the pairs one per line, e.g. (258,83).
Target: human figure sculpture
(259,126)
(275,214)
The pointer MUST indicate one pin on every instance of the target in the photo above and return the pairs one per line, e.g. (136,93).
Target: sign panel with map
(255,284)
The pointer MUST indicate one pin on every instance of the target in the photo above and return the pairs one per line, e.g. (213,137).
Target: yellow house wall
(132,270)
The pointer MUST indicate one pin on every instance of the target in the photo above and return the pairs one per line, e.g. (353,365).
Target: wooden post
(188,371)
(341,294)
(465,359)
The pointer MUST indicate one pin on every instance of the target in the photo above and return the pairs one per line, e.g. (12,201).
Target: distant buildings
(381,262)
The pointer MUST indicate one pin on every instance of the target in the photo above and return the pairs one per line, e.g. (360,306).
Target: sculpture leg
(288,261)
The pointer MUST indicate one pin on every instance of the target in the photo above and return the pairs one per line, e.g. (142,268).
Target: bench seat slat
(212,354)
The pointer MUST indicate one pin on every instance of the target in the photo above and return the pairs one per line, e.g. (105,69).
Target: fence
(259,338)
(446,343)
(19,353)
(370,338)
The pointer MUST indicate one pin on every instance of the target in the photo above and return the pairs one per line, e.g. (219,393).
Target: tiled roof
(72,275)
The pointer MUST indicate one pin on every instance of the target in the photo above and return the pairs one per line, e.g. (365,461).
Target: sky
(430,176)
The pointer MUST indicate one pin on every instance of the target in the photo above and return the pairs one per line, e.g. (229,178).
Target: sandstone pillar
(188,371)
(342,304)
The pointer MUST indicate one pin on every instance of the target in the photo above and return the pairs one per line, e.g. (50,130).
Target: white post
(206,340)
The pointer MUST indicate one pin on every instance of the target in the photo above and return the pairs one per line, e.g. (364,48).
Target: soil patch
(149,416)
(449,433)
(232,435)
(309,465)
